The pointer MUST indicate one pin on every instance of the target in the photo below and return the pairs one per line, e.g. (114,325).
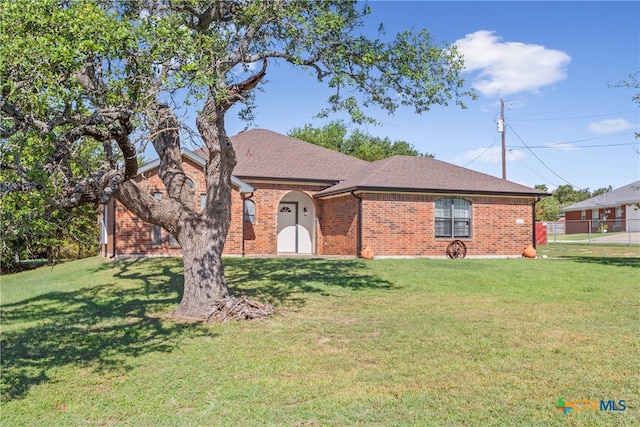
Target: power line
(571,118)
(595,138)
(535,116)
(521,161)
(539,159)
(480,155)
(561,145)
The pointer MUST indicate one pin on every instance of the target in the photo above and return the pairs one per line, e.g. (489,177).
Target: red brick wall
(393,224)
(261,236)
(495,227)
(338,226)
(233,244)
(403,225)
(575,224)
(134,236)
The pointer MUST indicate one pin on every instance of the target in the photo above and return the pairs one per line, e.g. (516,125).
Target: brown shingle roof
(424,174)
(265,154)
(269,155)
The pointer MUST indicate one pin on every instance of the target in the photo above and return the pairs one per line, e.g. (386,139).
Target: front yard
(384,342)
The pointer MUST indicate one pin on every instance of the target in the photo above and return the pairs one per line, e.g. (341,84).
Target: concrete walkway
(620,238)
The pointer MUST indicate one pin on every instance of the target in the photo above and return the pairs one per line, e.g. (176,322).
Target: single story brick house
(616,210)
(293,197)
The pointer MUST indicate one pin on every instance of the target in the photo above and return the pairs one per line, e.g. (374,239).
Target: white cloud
(610,126)
(510,67)
(562,146)
(489,155)
(252,66)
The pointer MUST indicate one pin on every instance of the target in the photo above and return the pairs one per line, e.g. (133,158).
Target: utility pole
(504,148)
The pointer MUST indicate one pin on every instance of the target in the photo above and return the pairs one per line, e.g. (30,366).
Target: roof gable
(265,154)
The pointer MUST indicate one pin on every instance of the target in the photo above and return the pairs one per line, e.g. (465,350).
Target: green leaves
(47,45)
(82,80)
(358,144)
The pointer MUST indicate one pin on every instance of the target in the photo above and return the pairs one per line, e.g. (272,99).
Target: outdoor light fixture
(304,211)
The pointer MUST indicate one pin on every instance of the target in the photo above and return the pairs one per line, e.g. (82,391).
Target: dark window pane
(461,228)
(157,235)
(443,227)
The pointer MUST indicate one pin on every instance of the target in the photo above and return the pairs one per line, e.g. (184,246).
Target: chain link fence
(589,231)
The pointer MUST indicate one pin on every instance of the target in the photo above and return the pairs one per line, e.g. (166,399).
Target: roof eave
(323,181)
(243,187)
(351,189)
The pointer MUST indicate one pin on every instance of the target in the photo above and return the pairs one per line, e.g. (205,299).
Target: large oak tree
(121,72)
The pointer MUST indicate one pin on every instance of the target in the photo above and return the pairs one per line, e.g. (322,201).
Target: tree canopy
(334,136)
(120,75)
(550,208)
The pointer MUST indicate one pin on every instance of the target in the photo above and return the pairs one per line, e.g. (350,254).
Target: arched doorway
(296,219)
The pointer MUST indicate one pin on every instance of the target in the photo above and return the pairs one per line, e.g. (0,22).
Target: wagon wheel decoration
(456,249)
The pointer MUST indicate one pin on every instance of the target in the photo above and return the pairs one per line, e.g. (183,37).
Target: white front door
(287,227)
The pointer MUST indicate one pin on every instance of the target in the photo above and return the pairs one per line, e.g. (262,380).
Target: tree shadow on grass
(286,280)
(104,325)
(97,326)
(603,260)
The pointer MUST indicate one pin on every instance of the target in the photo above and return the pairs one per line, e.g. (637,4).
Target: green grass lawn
(383,342)
(579,236)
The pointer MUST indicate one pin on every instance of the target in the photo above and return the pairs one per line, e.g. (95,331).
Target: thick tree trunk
(201,234)
(206,297)
(204,280)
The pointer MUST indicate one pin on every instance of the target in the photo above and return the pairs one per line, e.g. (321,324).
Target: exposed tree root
(242,308)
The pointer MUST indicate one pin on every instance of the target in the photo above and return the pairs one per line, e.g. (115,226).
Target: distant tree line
(550,208)
(31,231)
(31,228)
(335,136)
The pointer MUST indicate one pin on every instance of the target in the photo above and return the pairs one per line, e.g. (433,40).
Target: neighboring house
(616,210)
(293,197)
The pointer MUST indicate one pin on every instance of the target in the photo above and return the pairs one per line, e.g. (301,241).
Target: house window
(583,215)
(203,201)
(453,218)
(173,241)
(190,184)
(157,230)
(249,211)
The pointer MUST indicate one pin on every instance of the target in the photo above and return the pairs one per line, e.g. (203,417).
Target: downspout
(115,209)
(243,199)
(359,227)
(533,218)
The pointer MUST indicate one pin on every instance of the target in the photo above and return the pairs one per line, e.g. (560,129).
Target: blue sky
(551,62)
